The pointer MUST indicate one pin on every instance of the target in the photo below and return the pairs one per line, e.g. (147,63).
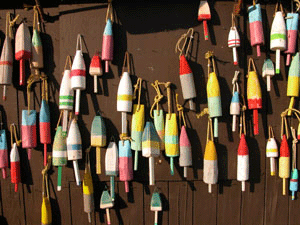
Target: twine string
(126,61)
(185,36)
(158,97)
(180,110)
(138,87)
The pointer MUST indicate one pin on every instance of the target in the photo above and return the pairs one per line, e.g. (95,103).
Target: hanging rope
(126,61)
(45,89)
(254,2)
(180,110)
(9,25)
(294,149)
(109,12)
(13,134)
(210,135)
(68,63)
(284,124)
(232,20)
(45,184)
(235,82)
(243,117)
(138,87)
(271,132)
(79,42)
(36,21)
(158,97)
(185,36)
(124,138)
(251,62)
(210,61)
(276,9)
(168,87)
(59,119)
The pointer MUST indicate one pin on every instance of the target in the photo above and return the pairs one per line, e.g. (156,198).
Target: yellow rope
(158,97)
(13,133)
(9,24)
(185,36)
(138,87)
(126,59)
(180,111)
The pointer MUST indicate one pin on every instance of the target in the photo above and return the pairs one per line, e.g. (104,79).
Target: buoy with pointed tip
(88,192)
(210,165)
(243,162)
(112,165)
(278,38)
(214,100)
(6,65)
(293,80)
(284,162)
(59,154)
(234,42)
(37,50)
(98,139)
(137,129)
(15,170)
(171,139)
(187,82)
(254,95)
(294,183)
(272,153)
(3,153)
(292,30)
(78,74)
(45,127)
(235,109)
(106,203)
(124,99)
(74,148)
(125,163)
(150,148)
(156,205)
(185,157)
(204,15)
(96,69)
(107,44)
(66,97)
(268,71)
(159,124)
(28,130)
(256,27)
(22,49)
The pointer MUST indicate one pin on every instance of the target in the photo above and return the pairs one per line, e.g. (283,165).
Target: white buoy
(234,42)
(243,162)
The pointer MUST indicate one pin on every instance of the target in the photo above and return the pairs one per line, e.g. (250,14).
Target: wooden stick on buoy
(98,139)
(256,26)
(112,165)
(204,15)
(272,151)
(78,73)
(254,94)
(74,148)
(107,41)
(235,101)
(66,95)
(268,71)
(278,36)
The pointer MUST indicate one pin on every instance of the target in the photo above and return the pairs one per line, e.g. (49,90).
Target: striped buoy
(112,166)
(156,205)
(124,99)
(185,157)
(107,44)
(293,80)
(37,50)
(187,81)
(235,109)
(292,29)
(96,69)
(256,27)
(137,128)
(78,74)
(98,139)
(88,190)
(74,148)
(204,15)
(125,163)
(15,170)
(150,148)
(243,162)
(159,124)
(106,203)
(284,162)
(28,130)
(234,42)
(214,100)
(22,49)
(66,96)
(3,153)
(272,153)
(45,127)
(254,95)
(210,165)
(171,139)
(6,65)
(294,183)
(278,37)
(59,154)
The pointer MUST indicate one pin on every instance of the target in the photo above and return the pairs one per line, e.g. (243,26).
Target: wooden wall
(149,31)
